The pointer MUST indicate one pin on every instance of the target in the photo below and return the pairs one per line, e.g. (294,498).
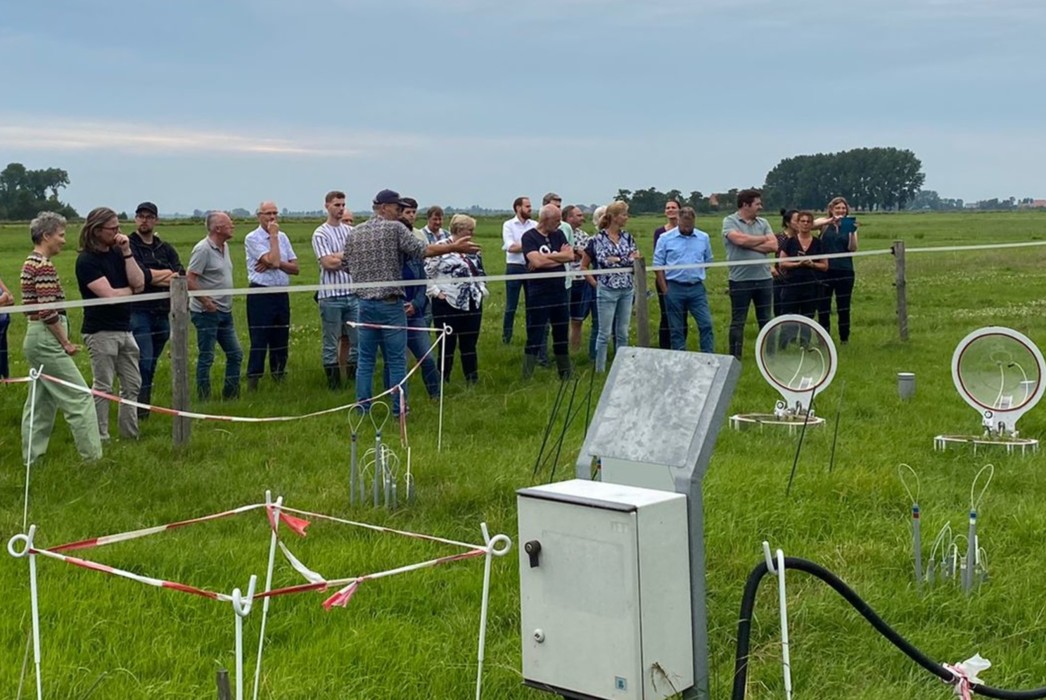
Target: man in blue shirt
(684,290)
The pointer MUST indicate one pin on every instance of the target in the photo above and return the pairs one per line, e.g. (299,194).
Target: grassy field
(415,635)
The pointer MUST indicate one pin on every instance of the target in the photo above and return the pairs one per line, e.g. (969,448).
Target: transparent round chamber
(796,356)
(997,369)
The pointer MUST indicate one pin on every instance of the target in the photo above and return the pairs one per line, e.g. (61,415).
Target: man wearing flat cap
(150,320)
(373,254)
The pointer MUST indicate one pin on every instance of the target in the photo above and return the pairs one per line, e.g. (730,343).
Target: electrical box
(605,590)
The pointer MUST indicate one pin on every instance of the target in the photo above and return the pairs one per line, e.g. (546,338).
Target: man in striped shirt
(337,306)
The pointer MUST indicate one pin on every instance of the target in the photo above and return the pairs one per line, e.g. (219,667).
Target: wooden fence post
(181,427)
(901,284)
(642,309)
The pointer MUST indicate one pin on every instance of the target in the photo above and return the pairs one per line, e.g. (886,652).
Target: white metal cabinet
(605,607)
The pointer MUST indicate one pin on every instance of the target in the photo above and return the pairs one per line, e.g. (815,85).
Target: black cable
(744,630)
(799,445)
(567,420)
(835,432)
(548,428)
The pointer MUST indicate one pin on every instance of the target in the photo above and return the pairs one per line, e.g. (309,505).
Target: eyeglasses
(111,228)
(146,217)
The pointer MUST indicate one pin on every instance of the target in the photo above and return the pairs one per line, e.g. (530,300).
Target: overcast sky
(222,103)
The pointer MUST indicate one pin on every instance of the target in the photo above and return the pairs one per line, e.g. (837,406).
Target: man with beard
(150,320)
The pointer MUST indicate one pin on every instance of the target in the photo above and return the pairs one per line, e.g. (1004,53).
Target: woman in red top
(48,349)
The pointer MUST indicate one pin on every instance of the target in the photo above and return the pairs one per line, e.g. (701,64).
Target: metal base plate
(742,421)
(1011,445)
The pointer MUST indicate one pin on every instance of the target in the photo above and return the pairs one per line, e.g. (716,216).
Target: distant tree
(624,196)
(240,213)
(24,192)
(996,204)
(869,178)
(925,199)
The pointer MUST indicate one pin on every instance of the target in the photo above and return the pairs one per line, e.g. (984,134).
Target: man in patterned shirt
(373,256)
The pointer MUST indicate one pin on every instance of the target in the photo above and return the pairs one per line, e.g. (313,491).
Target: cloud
(43,134)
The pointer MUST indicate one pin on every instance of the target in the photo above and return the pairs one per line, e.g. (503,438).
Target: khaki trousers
(114,354)
(43,351)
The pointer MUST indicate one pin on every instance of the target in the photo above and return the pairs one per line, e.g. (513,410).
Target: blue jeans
(151,330)
(211,328)
(393,344)
(615,313)
(335,313)
(512,290)
(692,298)
(419,342)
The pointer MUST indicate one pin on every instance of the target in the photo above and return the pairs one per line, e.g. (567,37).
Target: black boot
(333,376)
(529,363)
(564,367)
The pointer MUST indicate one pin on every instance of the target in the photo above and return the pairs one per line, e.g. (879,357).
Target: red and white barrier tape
(315,582)
(145,532)
(213,416)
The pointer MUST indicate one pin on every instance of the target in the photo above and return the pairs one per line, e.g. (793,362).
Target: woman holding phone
(838,235)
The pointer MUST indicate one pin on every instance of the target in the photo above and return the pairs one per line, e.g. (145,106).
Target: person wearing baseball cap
(150,320)
(373,255)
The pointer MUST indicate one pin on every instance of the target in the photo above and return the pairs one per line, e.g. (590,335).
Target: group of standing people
(772,272)
(384,283)
(106,267)
(808,287)
(125,340)
(602,285)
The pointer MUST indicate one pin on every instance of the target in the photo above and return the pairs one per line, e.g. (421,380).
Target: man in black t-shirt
(546,249)
(150,320)
(106,268)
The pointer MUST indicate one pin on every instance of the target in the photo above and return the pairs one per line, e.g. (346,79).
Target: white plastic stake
(492,551)
(779,571)
(442,354)
(241,608)
(26,541)
(34,375)
(268,586)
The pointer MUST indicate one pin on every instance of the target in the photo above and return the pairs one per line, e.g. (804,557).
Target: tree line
(24,193)
(871,179)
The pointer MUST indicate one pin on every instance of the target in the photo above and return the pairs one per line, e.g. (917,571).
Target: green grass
(415,635)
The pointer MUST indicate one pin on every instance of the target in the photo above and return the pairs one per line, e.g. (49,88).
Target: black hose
(744,629)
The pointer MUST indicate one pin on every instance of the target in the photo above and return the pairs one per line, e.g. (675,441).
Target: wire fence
(182,373)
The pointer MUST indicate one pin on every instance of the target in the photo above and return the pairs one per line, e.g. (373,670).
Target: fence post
(902,289)
(642,309)
(181,427)
(224,690)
